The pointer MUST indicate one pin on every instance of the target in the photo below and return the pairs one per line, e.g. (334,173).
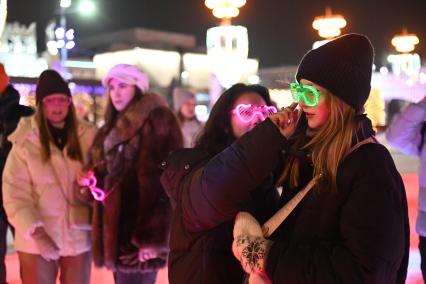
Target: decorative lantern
(329,25)
(405,42)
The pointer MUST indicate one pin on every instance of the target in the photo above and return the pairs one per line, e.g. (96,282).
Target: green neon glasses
(308,94)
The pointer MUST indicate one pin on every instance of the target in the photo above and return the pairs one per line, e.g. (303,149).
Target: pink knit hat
(128,74)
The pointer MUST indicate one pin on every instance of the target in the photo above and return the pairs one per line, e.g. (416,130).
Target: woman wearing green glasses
(352,226)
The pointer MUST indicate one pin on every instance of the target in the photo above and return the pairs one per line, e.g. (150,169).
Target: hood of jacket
(180,163)
(10,107)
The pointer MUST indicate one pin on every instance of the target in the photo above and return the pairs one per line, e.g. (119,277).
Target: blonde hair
(328,146)
(73,142)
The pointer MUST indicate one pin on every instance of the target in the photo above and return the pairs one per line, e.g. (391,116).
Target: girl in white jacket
(49,149)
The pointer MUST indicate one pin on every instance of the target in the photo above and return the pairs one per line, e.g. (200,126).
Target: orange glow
(225,9)
(405,42)
(329,25)
(3,14)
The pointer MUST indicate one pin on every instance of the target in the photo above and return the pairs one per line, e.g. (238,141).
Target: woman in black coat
(209,184)
(352,227)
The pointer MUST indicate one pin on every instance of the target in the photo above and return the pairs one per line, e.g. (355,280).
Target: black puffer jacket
(358,234)
(10,113)
(207,192)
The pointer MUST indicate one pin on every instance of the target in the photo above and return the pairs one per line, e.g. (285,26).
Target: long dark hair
(110,118)
(73,146)
(217,133)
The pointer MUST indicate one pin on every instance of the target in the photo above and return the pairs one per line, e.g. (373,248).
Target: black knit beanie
(51,82)
(343,66)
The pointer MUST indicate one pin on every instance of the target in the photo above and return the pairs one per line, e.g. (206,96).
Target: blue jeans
(135,278)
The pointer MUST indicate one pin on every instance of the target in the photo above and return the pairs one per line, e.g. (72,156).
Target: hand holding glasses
(286,120)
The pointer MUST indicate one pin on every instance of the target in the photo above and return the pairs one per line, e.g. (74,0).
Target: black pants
(4,224)
(3,246)
(422,249)
(135,278)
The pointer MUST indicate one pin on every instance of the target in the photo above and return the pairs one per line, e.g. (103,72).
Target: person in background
(10,114)
(83,103)
(407,133)
(184,104)
(131,222)
(352,226)
(209,184)
(39,179)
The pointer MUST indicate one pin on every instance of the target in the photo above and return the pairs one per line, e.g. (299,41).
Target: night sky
(280,31)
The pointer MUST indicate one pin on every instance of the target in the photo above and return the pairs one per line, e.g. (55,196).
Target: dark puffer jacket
(358,234)
(10,113)
(207,192)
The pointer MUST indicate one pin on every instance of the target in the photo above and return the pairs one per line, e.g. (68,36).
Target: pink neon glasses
(59,100)
(247,112)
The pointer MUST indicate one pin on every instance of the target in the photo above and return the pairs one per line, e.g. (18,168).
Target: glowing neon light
(329,25)
(97,193)
(405,42)
(247,112)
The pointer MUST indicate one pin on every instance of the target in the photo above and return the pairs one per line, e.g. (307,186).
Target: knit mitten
(246,224)
(249,246)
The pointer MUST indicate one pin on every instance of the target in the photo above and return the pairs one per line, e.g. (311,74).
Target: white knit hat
(180,96)
(128,74)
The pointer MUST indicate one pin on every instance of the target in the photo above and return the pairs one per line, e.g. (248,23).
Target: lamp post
(227,45)
(64,37)
(60,32)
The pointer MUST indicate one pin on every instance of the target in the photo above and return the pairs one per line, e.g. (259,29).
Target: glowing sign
(408,64)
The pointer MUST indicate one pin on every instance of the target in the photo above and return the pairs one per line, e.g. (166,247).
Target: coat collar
(27,130)
(132,119)
(365,129)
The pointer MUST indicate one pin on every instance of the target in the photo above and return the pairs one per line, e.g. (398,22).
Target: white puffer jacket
(31,193)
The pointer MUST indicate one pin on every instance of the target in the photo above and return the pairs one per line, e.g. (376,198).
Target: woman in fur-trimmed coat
(131,225)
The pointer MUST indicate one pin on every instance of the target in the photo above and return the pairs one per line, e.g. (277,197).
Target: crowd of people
(304,194)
